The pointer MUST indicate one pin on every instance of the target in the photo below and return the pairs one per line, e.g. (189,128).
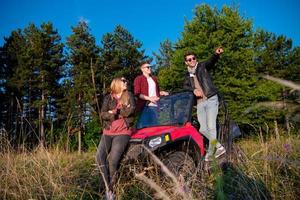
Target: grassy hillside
(258,168)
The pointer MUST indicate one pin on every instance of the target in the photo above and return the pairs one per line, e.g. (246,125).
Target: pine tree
(34,60)
(121,55)
(274,55)
(235,73)
(15,63)
(293,70)
(83,53)
(271,53)
(50,73)
(163,59)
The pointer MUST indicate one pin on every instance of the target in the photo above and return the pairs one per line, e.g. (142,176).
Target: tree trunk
(41,127)
(95,90)
(276,130)
(80,123)
(68,138)
(103,82)
(287,124)
(42,120)
(12,117)
(68,131)
(79,141)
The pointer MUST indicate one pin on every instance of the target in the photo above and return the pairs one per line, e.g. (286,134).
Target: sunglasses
(124,80)
(190,59)
(149,67)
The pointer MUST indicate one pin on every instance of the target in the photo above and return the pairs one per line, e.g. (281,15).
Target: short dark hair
(143,63)
(188,53)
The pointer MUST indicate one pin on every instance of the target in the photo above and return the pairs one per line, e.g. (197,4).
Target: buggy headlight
(155,142)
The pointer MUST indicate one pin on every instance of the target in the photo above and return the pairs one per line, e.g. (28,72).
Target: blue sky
(149,21)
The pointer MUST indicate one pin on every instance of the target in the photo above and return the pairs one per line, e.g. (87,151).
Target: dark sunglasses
(124,80)
(149,67)
(190,59)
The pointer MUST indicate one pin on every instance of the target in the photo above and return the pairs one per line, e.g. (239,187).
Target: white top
(151,89)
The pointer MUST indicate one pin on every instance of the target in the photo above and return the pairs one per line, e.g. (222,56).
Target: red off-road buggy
(172,133)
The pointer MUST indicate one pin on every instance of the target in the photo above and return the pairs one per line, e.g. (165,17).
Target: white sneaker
(220,151)
(208,157)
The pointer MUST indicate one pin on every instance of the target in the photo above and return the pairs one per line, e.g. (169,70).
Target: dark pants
(114,146)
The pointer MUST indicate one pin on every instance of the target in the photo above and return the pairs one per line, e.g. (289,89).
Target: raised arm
(215,57)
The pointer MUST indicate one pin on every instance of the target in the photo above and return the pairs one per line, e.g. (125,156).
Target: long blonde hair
(116,88)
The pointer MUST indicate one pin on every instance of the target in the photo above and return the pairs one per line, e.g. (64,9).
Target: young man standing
(200,83)
(147,90)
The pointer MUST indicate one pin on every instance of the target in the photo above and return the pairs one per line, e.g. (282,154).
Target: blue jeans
(207,112)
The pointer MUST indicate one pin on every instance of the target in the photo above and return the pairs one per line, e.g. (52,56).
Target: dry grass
(48,175)
(258,168)
(276,162)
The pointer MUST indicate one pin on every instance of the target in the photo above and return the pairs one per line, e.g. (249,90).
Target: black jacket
(204,78)
(110,103)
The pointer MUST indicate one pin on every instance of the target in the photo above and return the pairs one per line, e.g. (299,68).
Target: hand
(153,99)
(163,93)
(219,50)
(114,111)
(119,105)
(198,93)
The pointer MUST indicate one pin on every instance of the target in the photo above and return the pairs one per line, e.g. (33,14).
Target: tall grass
(48,175)
(276,162)
(258,168)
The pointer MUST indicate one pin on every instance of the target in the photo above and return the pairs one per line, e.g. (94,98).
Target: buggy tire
(180,164)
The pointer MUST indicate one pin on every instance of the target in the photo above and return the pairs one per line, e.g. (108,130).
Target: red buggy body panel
(176,133)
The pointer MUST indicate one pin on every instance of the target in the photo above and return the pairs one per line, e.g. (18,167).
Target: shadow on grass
(239,186)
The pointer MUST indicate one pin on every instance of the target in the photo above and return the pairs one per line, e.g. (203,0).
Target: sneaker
(220,151)
(208,158)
